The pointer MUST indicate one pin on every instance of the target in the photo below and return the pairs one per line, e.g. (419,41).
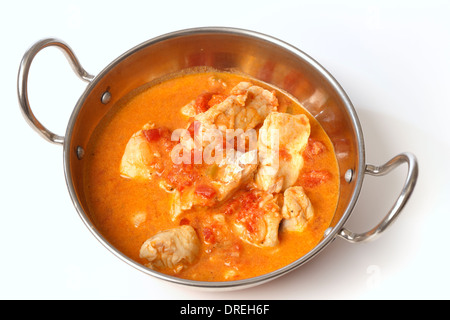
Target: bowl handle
(22,83)
(407,189)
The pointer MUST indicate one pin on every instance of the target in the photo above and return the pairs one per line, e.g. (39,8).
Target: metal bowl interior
(260,56)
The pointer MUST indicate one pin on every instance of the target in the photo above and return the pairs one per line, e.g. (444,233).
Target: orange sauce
(128,212)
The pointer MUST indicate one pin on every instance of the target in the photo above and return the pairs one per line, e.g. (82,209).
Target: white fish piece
(138,156)
(281,142)
(245,108)
(233,171)
(297,209)
(264,222)
(182,201)
(174,248)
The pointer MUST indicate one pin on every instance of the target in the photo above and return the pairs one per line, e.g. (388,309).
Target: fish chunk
(245,108)
(181,202)
(218,183)
(174,248)
(202,195)
(281,142)
(257,218)
(138,160)
(297,209)
(233,171)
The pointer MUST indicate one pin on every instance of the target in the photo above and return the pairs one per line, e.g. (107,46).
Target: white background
(391,57)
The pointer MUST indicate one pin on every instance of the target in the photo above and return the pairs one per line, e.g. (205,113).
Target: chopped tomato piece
(216,99)
(184,221)
(249,212)
(242,203)
(249,199)
(314,178)
(206,100)
(152,134)
(182,175)
(161,135)
(209,235)
(313,148)
(205,191)
(201,103)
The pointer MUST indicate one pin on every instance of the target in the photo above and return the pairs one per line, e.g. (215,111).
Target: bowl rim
(234,284)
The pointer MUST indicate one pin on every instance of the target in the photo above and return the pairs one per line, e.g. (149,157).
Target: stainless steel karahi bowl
(258,55)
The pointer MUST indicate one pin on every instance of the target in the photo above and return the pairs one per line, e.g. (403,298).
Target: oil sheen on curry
(211,176)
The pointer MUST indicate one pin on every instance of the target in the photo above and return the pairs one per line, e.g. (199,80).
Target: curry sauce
(129,211)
